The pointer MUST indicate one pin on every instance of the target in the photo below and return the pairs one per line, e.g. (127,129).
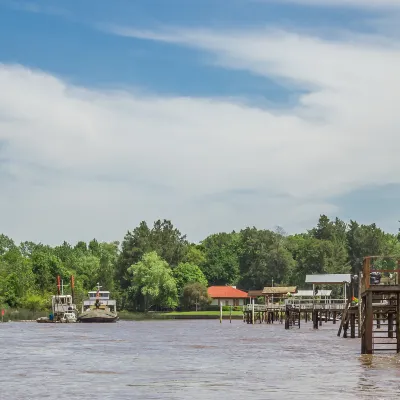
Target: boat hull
(45,321)
(98,319)
(99,316)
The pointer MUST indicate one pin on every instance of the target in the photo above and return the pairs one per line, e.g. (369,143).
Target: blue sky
(215,115)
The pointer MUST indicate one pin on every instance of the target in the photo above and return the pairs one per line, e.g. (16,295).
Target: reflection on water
(189,360)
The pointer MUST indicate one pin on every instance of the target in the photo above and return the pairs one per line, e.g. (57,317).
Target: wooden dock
(292,311)
(379,310)
(375,319)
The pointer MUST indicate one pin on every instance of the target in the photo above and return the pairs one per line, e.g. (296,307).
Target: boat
(99,307)
(63,309)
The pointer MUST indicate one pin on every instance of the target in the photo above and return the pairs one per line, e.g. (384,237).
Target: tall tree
(186,273)
(163,238)
(222,252)
(152,278)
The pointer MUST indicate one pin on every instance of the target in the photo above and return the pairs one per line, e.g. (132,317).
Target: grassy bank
(24,315)
(130,316)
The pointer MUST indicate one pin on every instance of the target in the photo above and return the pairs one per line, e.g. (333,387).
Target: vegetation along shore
(156,272)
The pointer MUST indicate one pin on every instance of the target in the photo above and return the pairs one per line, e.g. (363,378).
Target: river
(189,360)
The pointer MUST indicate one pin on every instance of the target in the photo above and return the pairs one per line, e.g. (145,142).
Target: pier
(375,318)
(379,307)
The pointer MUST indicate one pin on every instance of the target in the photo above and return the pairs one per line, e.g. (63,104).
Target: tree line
(159,268)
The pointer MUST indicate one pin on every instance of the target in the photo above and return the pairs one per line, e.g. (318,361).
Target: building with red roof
(228,295)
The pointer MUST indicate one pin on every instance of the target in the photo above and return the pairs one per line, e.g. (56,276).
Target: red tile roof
(226,292)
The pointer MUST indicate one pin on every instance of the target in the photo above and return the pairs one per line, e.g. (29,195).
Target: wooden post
(220,312)
(390,325)
(287,317)
(315,319)
(230,315)
(320,318)
(334,317)
(378,321)
(252,313)
(368,345)
(352,325)
(299,317)
(398,322)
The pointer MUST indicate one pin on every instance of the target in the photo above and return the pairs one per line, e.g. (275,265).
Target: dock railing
(317,304)
(388,276)
(300,304)
(263,307)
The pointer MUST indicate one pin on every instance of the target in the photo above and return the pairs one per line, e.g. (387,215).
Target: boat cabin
(62,303)
(103,297)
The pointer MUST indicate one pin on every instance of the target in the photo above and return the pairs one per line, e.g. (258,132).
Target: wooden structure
(253,313)
(292,317)
(273,293)
(379,307)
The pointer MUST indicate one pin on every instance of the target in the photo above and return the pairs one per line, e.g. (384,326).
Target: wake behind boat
(99,307)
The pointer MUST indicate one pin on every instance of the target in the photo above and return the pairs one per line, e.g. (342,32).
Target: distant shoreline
(130,316)
(141,316)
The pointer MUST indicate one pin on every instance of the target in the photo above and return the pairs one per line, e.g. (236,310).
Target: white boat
(99,307)
(63,308)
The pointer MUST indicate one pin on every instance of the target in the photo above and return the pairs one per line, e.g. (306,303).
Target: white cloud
(170,156)
(368,4)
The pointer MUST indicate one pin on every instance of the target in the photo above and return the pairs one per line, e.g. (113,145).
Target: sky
(214,114)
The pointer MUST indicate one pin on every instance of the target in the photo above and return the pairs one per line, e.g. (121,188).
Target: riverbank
(131,316)
(27,316)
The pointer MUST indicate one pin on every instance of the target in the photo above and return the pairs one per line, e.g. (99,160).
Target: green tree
(46,266)
(163,238)
(34,303)
(222,252)
(186,273)
(195,295)
(195,255)
(152,278)
(134,246)
(6,244)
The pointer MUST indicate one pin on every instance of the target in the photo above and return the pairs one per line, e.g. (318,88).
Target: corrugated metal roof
(279,290)
(332,279)
(310,293)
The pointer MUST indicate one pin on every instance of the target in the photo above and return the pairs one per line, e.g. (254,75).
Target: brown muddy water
(188,360)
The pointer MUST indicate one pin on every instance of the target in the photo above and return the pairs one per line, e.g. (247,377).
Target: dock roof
(310,293)
(226,292)
(255,293)
(329,279)
(279,290)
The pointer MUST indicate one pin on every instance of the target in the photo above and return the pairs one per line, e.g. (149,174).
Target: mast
(73,289)
(98,290)
(58,284)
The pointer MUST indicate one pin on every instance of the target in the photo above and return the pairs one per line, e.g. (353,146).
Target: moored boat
(63,309)
(99,307)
